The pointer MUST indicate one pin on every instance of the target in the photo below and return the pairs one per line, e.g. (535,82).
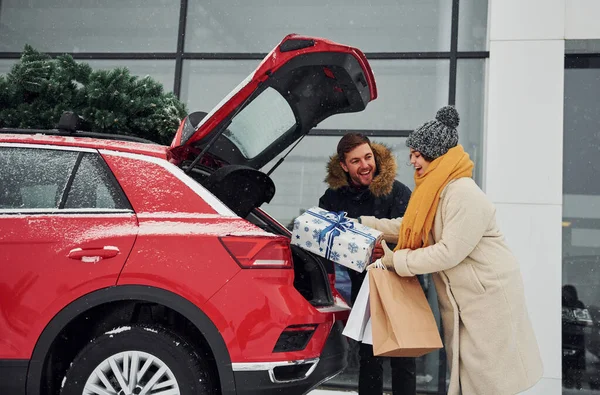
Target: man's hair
(349,142)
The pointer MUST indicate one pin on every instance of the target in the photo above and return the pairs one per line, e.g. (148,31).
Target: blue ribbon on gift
(338,224)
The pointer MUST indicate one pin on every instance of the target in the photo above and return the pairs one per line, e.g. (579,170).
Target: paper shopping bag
(360,314)
(402,322)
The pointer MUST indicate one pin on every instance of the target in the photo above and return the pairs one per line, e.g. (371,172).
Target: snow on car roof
(155,150)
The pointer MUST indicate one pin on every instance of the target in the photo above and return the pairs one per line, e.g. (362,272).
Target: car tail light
(259,252)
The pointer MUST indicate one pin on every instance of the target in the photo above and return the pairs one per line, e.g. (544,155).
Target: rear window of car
(263,121)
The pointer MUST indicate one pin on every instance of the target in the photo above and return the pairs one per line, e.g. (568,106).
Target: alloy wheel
(132,373)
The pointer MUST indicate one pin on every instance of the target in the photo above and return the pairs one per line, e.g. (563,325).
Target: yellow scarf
(420,213)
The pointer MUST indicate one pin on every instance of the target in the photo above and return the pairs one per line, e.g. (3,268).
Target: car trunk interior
(310,270)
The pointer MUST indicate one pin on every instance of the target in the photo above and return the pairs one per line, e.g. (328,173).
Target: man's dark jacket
(384,198)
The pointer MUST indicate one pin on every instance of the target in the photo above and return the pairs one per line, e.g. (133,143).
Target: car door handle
(93,255)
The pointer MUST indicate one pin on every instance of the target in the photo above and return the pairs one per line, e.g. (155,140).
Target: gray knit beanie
(434,138)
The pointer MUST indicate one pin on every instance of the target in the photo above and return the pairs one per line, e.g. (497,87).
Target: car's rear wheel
(138,360)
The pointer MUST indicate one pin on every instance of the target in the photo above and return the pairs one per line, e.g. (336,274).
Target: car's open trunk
(310,271)
(243,190)
(300,83)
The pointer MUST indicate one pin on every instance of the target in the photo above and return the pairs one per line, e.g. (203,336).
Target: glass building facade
(581,219)
(424,54)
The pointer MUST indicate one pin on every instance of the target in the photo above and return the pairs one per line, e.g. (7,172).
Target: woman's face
(419,163)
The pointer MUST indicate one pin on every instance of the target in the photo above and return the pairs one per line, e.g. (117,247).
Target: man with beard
(361,179)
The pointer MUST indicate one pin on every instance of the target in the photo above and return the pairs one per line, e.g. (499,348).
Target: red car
(134,268)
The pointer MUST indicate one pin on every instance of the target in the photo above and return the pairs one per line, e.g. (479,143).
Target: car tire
(153,353)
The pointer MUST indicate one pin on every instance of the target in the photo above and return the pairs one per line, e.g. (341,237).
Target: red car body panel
(183,256)
(253,309)
(181,252)
(40,279)
(152,187)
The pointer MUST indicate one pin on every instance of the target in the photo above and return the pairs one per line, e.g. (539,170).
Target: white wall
(523,172)
(524,152)
(581,19)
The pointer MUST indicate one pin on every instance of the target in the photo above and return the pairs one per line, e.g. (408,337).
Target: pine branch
(38,89)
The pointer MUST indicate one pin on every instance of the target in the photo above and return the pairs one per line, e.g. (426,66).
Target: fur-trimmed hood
(382,182)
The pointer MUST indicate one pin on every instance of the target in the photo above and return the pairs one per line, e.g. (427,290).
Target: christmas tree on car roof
(39,89)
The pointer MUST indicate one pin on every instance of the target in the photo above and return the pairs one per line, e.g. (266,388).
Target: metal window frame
(366,132)
(582,61)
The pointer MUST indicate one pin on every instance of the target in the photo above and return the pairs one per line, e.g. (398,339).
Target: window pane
(255,128)
(472,25)
(206,82)
(581,231)
(409,93)
(95,187)
(374,26)
(76,26)
(162,71)
(469,103)
(34,178)
(6,65)
(582,46)
(582,138)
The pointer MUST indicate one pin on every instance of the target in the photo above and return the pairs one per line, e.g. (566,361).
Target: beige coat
(488,336)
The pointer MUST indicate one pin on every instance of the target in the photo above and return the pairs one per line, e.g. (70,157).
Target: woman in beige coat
(450,230)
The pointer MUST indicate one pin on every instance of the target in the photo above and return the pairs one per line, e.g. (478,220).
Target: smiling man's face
(360,165)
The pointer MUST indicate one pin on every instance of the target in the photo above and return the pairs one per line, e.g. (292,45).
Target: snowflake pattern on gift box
(306,228)
(360,264)
(296,225)
(308,244)
(334,256)
(315,234)
(317,221)
(353,248)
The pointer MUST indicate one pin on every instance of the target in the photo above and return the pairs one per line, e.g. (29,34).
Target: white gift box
(334,237)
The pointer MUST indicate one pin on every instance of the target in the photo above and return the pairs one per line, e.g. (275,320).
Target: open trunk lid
(301,82)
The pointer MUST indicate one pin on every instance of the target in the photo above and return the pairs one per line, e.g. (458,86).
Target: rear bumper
(269,378)
(13,375)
